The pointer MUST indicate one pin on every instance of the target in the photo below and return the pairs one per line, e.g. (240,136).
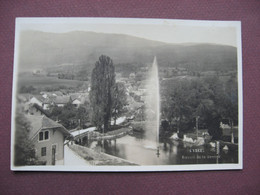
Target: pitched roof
(42,99)
(58,93)
(62,99)
(42,122)
(41,109)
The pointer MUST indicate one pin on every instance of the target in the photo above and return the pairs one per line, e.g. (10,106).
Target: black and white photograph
(125,94)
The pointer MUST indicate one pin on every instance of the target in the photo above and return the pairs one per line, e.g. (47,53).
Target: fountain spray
(157,94)
(153,107)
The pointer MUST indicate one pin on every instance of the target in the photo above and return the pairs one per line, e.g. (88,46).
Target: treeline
(209,99)
(80,76)
(33,90)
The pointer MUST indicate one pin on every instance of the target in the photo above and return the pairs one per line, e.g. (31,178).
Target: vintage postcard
(114,94)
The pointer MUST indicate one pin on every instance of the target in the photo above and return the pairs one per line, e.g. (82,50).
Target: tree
(24,153)
(55,112)
(177,109)
(82,115)
(209,105)
(27,89)
(102,91)
(65,115)
(208,112)
(120,100)
(68,116)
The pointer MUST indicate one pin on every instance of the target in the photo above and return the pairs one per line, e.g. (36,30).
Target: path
(72,159)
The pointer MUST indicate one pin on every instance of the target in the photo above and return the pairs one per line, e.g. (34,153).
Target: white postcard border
(193,167)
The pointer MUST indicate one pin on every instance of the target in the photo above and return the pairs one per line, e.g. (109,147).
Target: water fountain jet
(152,102)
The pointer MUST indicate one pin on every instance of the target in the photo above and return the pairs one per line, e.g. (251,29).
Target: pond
(143,152)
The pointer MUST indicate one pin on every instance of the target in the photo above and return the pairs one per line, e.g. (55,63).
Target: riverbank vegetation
(209,100)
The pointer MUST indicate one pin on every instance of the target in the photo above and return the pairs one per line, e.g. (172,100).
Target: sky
(164,30)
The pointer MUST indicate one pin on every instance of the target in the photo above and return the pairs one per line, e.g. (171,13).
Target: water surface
(144,152)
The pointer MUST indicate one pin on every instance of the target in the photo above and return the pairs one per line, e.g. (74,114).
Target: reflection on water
(143,152)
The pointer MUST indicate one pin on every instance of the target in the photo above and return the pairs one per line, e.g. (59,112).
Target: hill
(42,49)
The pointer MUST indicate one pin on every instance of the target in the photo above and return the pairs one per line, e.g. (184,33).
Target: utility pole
(232,130)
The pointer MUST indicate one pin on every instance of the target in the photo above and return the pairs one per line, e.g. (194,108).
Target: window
(43,151)
(40,136)
(44,135)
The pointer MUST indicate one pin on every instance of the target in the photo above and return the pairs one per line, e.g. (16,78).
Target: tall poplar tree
(101,94)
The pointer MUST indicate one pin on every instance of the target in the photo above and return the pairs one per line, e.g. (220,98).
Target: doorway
(53,154)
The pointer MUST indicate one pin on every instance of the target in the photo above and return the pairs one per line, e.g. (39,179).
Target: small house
(48,138)
(45,103)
